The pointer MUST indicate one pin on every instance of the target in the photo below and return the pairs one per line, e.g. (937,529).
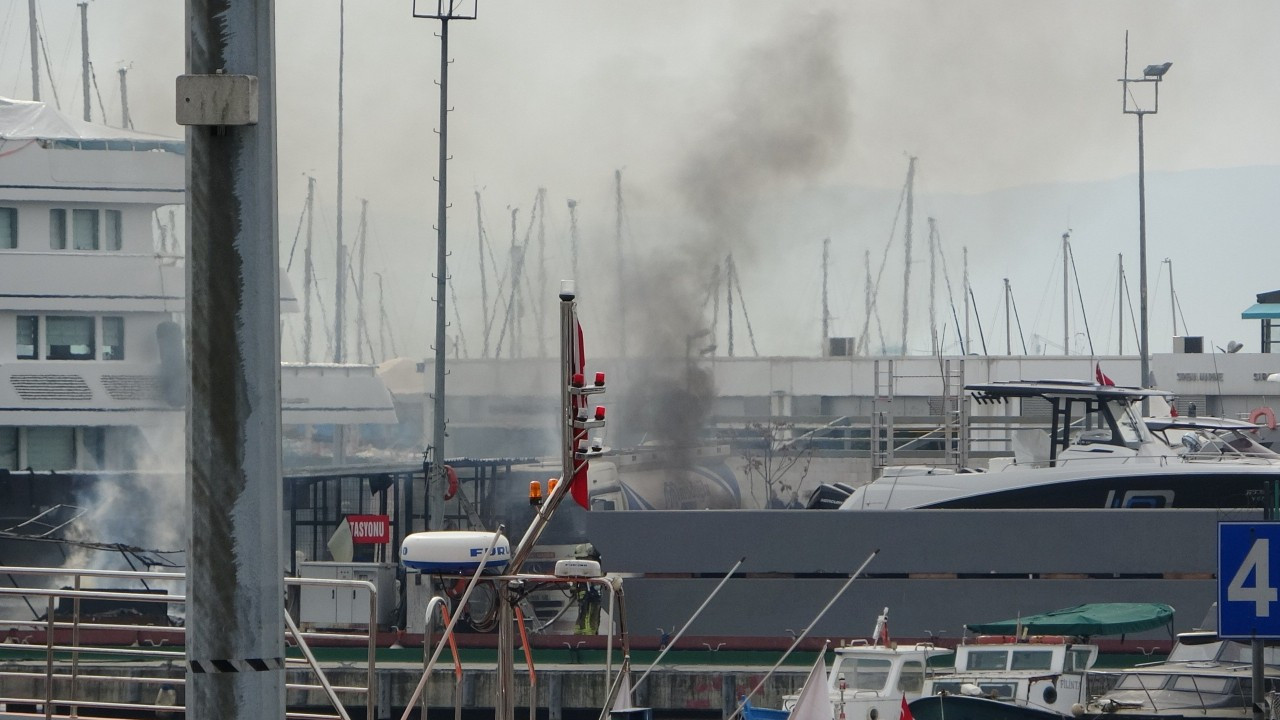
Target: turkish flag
(1101,378)
(906,711)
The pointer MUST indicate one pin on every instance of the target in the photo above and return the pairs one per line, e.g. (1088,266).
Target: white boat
(92,369)
(1204,677)
(1033,668)
(1100,454)
(1213,439)
(870,679)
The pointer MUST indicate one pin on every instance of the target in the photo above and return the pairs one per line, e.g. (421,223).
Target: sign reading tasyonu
(369,529)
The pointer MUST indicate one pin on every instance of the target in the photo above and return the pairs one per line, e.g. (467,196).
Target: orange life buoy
(452,488)
(1261,413)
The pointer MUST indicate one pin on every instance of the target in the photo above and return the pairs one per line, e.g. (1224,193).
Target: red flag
(906,711)
(578,486)
(1173,409)
(1102,379)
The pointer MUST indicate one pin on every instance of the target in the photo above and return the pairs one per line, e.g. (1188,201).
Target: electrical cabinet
(329,606)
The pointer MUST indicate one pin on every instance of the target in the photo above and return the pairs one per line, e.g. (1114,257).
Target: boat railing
(73,657)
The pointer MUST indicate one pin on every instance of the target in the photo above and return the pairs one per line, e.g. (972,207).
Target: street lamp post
(1151,74)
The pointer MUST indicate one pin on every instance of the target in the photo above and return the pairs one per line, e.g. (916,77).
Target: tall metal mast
(340,259)
(622,276)
(1120,302)
(933,286)
(484,282)
(35,50)
(1066,293)
(362,237)
(542,272)
(965,261)
(1008,317)
(308,272)
(906,273)
(84,58)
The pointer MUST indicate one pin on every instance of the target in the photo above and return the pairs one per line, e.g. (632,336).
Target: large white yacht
(92,370)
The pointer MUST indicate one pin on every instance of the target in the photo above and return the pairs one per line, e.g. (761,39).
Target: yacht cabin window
(51,448)
(8,228)
(57,229)
(28,336)
(8,448)
(1142,681)
(112,338)
(84,229)
(111,230)
(867,673)
(69,338)
(1077,660)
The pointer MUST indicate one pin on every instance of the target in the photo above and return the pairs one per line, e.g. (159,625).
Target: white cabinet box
(341,606)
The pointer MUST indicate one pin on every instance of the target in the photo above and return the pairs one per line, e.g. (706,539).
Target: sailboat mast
(965,261)
(542,272)
(906,273)
(1008,316)
(362,332)
(864,341)
(484,282)
(622,277)
(84,58)
(35,50)
(308,272)
(1120,304)
(933,286)
(1066,293)
(1173,300)
(340,286)
(729,272)
(826,312)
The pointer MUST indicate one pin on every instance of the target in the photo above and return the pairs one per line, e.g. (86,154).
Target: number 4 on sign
(1261,594)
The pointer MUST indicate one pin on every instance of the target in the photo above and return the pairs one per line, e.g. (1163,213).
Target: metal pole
(308,273)
(84,59)
(1143,340)
(826,313)
(1120,305)
(435,484)
(362,330)
(622,277)
(1008,331)
(235,613)
(906,245)
(35,50)
(968,343)
(1173,299)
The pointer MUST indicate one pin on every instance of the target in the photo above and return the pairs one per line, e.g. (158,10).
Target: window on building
(58,229)
(84,229)
(111,230)
(112,338)
(69,338)
(51,448)
(28,336)
(95,448)
(8,228)
(8,448)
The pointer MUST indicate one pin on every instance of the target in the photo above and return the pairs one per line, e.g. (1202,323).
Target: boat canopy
(1085,620)
(31,120)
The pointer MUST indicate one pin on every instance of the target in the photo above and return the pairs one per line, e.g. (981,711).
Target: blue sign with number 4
(1249,580)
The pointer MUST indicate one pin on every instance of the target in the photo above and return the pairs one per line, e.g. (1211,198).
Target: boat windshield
(1133,431)
(866,673)
(1142,681)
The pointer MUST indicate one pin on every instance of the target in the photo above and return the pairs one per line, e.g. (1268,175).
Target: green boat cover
(1085,620)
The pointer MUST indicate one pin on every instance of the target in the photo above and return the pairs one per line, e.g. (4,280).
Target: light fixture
(1156,71)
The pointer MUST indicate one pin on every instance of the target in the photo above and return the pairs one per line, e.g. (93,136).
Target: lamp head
(1157,71)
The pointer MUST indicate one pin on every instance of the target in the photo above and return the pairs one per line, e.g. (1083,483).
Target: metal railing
(64,660)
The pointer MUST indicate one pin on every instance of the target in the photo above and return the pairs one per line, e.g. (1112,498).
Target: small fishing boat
(1031,668)
(869,678)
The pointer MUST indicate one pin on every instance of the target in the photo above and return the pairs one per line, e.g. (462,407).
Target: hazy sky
(723,115)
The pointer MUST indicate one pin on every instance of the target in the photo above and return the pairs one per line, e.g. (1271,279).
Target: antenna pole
(436,485)
(84,58)
(573,239)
